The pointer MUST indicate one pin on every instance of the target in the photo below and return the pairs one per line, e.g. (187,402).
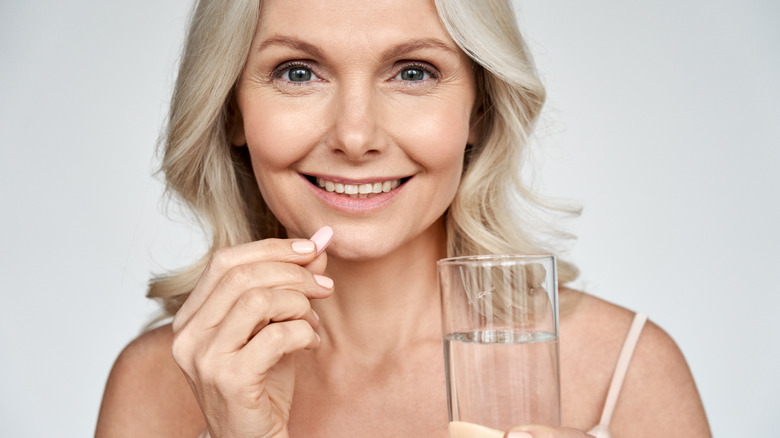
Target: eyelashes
(415,72)
(303,72)
(295,72)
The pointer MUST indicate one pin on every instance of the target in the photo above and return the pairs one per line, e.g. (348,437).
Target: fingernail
(314,312)
(322,238)
(303,247)
(518,434)
(323,281)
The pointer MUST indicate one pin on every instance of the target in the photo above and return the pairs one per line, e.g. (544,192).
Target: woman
(390,133)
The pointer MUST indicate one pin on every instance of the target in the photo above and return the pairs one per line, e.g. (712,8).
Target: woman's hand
(459,429)
(545,432)
(232,336)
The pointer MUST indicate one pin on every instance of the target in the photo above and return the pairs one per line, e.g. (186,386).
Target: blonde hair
(216,182)
(494,212)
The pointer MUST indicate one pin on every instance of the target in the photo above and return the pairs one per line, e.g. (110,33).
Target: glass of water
(500,336)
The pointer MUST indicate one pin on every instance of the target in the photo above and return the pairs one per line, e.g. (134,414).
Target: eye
(299,74)
(296,73)
(415,73)
(412,74)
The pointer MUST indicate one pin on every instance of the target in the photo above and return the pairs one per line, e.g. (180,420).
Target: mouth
(358,190)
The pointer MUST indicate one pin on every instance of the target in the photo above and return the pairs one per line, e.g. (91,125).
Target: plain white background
(662,122)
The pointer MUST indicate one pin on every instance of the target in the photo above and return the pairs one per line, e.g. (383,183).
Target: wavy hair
(493,211)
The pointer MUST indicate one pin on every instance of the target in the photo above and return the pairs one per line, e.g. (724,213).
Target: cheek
(437,140)
(276,138)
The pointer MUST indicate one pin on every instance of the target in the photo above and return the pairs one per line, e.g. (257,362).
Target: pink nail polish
(303,247)
(323,281)
(322,238)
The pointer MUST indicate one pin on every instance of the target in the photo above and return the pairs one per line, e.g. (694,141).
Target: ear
(235,124)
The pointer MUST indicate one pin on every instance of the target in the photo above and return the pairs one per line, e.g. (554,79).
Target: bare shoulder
(592,332)
(659,396)
(147,394)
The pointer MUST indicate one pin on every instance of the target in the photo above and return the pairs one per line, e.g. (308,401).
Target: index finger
(297,251)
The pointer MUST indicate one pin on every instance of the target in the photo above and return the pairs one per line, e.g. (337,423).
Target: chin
(363,242)
(357,249)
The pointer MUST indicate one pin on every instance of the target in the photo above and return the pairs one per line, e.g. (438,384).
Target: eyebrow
(393,52)
(291,43)
(412,46)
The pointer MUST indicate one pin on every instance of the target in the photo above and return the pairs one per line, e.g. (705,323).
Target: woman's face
(356,115)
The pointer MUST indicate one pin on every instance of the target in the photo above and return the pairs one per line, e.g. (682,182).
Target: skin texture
(356,120)
(278,340)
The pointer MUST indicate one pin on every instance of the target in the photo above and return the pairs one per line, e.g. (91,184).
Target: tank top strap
(602,429)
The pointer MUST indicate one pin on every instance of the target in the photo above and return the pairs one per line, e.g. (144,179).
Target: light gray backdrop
(662,122)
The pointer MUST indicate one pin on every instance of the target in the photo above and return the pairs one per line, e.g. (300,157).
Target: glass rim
(496,258)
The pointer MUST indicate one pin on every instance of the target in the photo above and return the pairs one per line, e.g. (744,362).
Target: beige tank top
(602,429)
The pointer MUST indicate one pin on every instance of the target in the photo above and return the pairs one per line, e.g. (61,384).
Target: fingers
(299,252)
(268,346)
(245,284)
(463,429)
(319,264)
(258,308)
(251,307)
(537,431)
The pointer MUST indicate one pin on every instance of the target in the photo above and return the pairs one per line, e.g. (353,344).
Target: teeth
(358,190)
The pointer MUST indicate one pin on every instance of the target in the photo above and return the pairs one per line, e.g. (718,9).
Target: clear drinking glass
(500,336)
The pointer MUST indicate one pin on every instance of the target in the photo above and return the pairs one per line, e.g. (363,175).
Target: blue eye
(295,72)
(299,74)
(416,73)
(413,74)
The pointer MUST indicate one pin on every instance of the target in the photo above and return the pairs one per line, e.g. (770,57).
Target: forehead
(365,22)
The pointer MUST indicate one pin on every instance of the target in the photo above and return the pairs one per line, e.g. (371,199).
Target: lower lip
(355,205)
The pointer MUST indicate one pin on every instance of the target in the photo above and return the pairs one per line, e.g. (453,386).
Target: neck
(382,305)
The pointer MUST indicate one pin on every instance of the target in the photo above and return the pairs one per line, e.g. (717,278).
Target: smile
(362,190)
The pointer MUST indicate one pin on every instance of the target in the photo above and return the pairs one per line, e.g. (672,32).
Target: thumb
(317,266)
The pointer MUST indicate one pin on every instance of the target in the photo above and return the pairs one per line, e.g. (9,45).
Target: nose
(354,133)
